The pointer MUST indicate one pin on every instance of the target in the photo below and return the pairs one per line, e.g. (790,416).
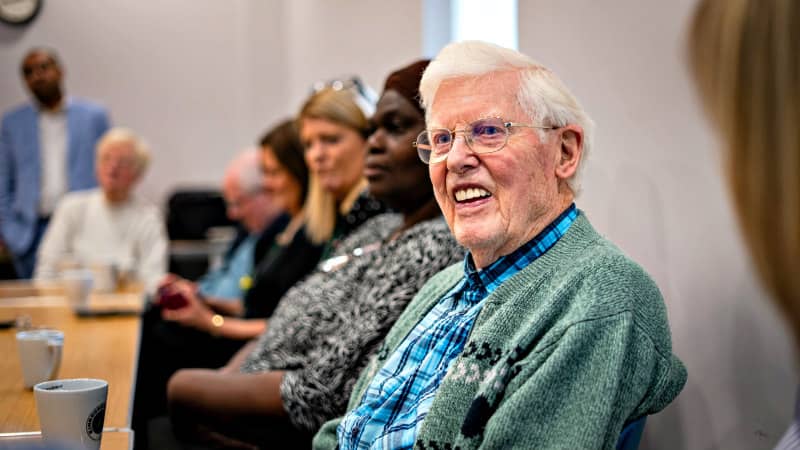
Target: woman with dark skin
(278,391)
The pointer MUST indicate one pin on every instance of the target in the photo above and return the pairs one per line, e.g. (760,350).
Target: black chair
(190,213)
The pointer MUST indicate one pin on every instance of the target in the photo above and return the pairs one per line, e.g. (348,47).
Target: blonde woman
(333,132)
(745,57)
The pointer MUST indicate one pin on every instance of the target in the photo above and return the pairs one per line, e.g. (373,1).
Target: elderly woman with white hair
(109,225)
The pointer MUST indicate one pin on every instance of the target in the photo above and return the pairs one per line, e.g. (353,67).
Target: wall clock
(19,12)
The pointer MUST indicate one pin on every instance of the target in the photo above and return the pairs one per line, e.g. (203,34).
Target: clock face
(18,12)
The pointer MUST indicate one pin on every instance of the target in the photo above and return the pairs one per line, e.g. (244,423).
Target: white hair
(141,150)
(540,93)
(245,168)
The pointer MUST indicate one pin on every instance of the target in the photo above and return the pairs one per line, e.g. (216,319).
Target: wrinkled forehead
(465,99)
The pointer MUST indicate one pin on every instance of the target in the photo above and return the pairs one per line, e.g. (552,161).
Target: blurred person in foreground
(300,373)
(47,148)
(546,336)
(745,58)
(109,225)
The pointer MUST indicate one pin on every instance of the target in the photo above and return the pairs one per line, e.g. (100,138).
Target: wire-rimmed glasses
(482,136)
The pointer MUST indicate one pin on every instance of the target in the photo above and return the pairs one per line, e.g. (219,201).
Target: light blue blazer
(20,164)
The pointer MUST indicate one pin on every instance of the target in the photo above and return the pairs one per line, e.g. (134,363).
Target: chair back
(631,434)
(191,212)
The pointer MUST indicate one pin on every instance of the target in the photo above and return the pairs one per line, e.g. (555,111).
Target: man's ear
(571,151)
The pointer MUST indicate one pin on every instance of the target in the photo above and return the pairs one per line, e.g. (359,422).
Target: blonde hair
(320,209)
(117,135)
(542,95)
(745,58)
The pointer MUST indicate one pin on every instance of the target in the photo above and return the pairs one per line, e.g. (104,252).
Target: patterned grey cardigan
(327,327)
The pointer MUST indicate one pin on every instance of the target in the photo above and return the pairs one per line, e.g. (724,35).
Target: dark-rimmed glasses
(482,136)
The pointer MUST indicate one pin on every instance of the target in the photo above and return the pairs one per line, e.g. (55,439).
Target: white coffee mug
(72,411)
(106,277)
(77,287)
(39,354)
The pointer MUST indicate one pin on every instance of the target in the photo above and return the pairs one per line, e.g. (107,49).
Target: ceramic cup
(72,411)
(77,287)
(39,355)
(106,277)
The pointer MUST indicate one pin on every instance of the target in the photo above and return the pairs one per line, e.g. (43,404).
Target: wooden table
(113,439)
(94,347)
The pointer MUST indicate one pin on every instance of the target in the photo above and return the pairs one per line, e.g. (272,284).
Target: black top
(279,267)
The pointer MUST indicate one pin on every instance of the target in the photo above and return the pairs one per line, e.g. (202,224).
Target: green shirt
(562,355)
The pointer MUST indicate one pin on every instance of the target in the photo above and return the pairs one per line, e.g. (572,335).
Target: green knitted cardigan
(562,355)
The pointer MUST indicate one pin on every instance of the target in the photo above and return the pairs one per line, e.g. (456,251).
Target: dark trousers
(166,347)
(25,263)
(262,433)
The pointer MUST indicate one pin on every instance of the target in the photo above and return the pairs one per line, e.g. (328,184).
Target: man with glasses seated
(247,203)
(547,335)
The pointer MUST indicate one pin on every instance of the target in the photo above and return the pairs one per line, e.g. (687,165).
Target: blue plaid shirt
(399,396)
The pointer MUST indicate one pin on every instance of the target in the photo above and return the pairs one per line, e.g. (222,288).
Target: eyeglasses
(364,96)
(121,162)
(482,136)
(243,199)
(353,83)
(29,70)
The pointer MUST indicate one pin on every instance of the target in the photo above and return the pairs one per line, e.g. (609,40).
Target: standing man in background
(46,150)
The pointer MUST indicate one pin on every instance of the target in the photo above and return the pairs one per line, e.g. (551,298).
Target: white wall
(202,79)
(329,39)
(653,187)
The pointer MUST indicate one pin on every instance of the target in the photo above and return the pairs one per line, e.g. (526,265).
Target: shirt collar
(494,274)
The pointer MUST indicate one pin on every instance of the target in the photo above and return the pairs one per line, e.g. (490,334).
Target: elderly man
(46,150)
(248,203)
(547,336)
(109,225)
